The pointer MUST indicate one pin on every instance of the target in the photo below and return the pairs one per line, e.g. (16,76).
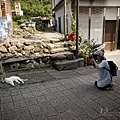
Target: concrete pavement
(60,95)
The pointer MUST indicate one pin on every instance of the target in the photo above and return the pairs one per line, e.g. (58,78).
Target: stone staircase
(57,55)
(60,55)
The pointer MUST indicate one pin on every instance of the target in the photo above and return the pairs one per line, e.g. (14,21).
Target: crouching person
(105,79)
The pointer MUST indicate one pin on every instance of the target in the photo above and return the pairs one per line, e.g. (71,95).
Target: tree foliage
(35,7)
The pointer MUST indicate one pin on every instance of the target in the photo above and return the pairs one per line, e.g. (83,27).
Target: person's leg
(96,83)
(108,87)
(101,88)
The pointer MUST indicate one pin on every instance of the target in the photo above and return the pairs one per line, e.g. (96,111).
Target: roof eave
(58,5)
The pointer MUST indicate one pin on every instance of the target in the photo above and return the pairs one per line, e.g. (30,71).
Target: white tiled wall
(60,13)
(84,21)
(97,24)
(100,3)
(111,13)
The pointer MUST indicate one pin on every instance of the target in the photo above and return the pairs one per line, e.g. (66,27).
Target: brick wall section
(0,10)
(7,9)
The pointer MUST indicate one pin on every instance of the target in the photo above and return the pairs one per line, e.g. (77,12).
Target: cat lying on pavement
(13,79)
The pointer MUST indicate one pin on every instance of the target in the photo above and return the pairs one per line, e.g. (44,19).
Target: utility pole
(77,28)
(65,19)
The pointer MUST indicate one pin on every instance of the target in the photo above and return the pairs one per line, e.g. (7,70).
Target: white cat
(13,79)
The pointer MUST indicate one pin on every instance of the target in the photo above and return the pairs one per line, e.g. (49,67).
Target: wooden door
(110,31)
(118,43)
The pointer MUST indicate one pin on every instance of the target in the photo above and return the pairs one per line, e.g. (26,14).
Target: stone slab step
(50,40)
(62,56)
(50,45)
(68,64)
(54,40)
(58,44)
(57,50)
(16,59)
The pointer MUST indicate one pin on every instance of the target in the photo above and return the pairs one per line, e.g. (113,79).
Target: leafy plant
(91,45)
(73,28)
(83,53)
(73,23)
(15,25)
(87,47)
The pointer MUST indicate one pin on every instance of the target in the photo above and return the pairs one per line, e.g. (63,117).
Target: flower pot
(89,62)
(72,37)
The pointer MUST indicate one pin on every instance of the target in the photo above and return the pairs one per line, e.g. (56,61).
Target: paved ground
(60,95)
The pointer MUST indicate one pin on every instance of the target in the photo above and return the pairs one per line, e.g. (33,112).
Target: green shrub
(15,25)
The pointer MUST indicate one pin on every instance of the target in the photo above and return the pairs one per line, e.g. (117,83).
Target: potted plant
(88,47)
(83,54)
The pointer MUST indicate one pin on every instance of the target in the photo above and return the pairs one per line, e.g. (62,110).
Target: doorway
(110,32)
(118,43)
(59,20)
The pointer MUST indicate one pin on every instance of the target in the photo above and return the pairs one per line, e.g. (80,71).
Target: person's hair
(102,58)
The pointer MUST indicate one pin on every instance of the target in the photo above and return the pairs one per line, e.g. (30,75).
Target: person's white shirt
(104,75)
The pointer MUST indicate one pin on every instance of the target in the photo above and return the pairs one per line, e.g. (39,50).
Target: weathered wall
(60,13)
(102,3)
(7,9)
(0,10)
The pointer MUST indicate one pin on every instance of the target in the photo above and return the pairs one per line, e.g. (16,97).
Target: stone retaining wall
(28,48)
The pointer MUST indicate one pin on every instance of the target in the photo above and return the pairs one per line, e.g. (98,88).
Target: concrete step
(50,45)
(54,40)
(50,40)
(58,44)
(57,50)
(62,56)
(68,64)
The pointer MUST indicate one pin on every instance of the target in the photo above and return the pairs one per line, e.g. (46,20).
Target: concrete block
(14,66)
(62,56)
(68,64)
(1,69)
(81,62)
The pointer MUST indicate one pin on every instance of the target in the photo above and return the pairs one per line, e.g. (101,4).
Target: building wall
(96,29)
(84,21)
(101,3)
(56,2)
(60,13)
(91,17)
(18,9)
(111,13)
(91,20)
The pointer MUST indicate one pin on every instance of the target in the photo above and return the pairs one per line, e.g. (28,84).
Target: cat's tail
(25,79)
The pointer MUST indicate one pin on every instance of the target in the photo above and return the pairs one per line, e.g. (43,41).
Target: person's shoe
(111,87)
